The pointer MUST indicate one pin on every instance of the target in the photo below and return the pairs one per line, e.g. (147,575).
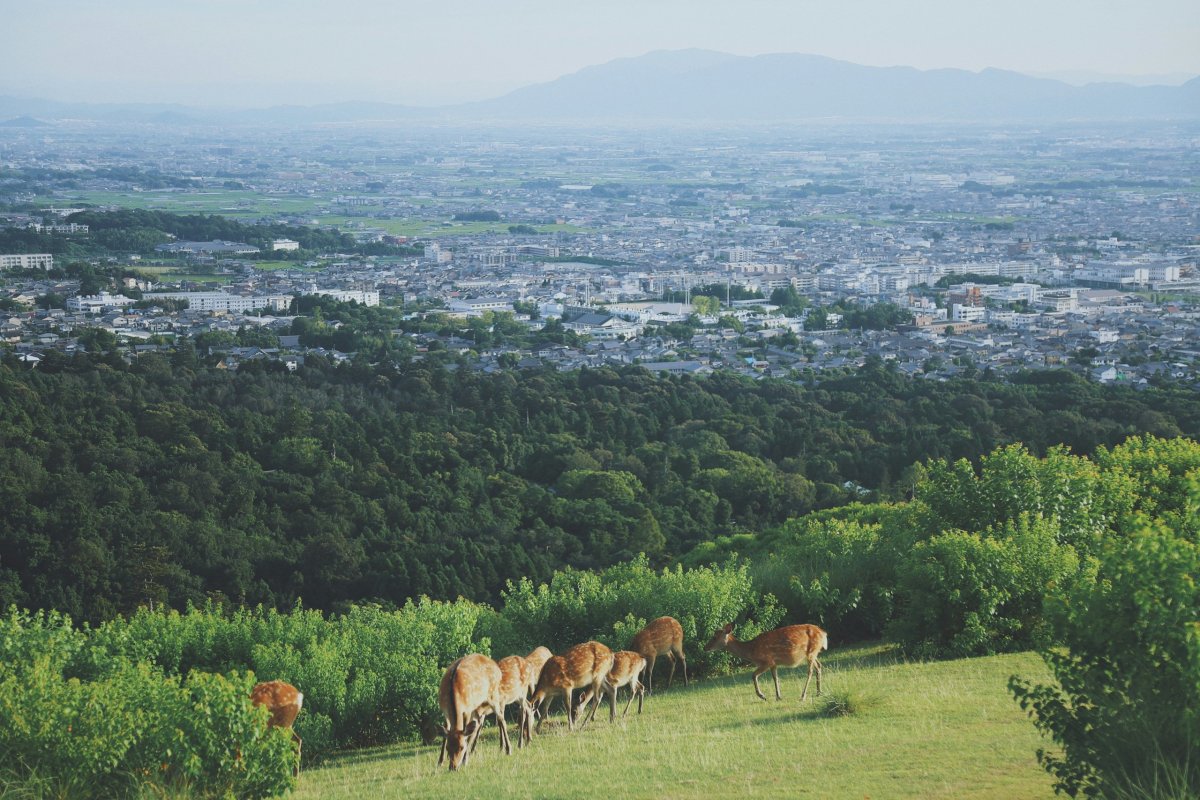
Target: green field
(934,730)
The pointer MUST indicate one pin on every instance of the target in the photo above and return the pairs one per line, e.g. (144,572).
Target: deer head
(457,744)
(720,639)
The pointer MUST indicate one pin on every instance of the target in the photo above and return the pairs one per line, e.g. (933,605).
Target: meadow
(944,729)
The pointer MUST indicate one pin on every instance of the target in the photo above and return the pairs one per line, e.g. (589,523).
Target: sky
(254,53)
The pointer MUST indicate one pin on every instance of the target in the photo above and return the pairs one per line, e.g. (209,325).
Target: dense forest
(170,481)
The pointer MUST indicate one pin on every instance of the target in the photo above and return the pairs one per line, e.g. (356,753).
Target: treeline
(140,231)
(170,482)
(117,229)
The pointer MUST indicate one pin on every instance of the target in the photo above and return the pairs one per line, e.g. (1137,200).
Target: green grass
(933,730)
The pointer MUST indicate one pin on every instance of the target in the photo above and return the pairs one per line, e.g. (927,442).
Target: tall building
(27,261)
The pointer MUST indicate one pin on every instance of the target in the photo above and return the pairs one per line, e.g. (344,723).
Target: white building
(220,301)
(285,244)
(27,261)
(96,303)
(962,313)
(367,297)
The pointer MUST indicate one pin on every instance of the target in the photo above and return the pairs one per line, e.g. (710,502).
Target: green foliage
(129,725)
(167,481)
(1125,704)
(614,604)
(837,573)
(963,593)
(368,676)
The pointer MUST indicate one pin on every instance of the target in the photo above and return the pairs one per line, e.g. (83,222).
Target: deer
(583,665)
(537,658)
(469,691)
(283,702)
(663,636)
(789,646)
(516,679)
(626,671)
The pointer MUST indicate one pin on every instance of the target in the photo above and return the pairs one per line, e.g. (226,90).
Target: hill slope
(937,730)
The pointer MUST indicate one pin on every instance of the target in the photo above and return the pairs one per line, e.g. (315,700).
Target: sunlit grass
(935,730)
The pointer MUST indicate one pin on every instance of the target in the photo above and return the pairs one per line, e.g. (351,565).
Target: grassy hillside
(932,730)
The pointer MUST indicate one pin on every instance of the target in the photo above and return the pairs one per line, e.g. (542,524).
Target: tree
(1125,705)
(705,306)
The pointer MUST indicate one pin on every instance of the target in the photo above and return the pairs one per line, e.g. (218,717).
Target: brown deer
(537,659)
(283,702)
(469,691)
(583,665)
(626,671)
(516,677)
(789,646)
(662,637)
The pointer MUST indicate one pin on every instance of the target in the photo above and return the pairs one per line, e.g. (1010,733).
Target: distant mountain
(695,85)
(700,84)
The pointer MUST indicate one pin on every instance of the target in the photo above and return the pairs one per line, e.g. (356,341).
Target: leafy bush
(837,573)
(130,727)
(1125,709)
(614,604)
(961,593)
(368,676)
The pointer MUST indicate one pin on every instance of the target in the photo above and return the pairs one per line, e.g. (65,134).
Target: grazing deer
(469,691)
(626,671)
(536,659)
(516,676)
(583,665)
(662,637)
(783,647)
(282,701)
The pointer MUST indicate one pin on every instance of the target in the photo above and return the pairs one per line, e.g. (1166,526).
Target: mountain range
(704,85)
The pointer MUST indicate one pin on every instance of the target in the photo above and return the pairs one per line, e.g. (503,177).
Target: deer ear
(728,627)
(471,726)
(446,730)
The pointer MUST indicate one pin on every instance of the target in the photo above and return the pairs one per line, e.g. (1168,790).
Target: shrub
(839,574)
(129,728)
(612,605)
(961,593)
(1125,710)
(368,676)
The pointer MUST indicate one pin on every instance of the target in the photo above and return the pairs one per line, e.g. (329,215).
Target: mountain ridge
(695,84)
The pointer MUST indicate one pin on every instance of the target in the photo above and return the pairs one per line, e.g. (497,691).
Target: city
(979,249)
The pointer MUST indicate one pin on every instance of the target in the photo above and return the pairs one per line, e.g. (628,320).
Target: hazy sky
(265,52)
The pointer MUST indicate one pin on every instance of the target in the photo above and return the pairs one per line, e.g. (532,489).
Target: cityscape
(978,248)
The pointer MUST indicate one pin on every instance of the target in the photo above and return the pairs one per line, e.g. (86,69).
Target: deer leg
(300,744)
(442,755)
(683,661)
(671,677)
(641,693)
(650,673)
(775,675)
(757,688)
(505,743)
(570,715)
(804,693)
(544,707)
(612,702)
(475,736)
(818,677)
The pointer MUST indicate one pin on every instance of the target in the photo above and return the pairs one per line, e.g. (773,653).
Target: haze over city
(233,54)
